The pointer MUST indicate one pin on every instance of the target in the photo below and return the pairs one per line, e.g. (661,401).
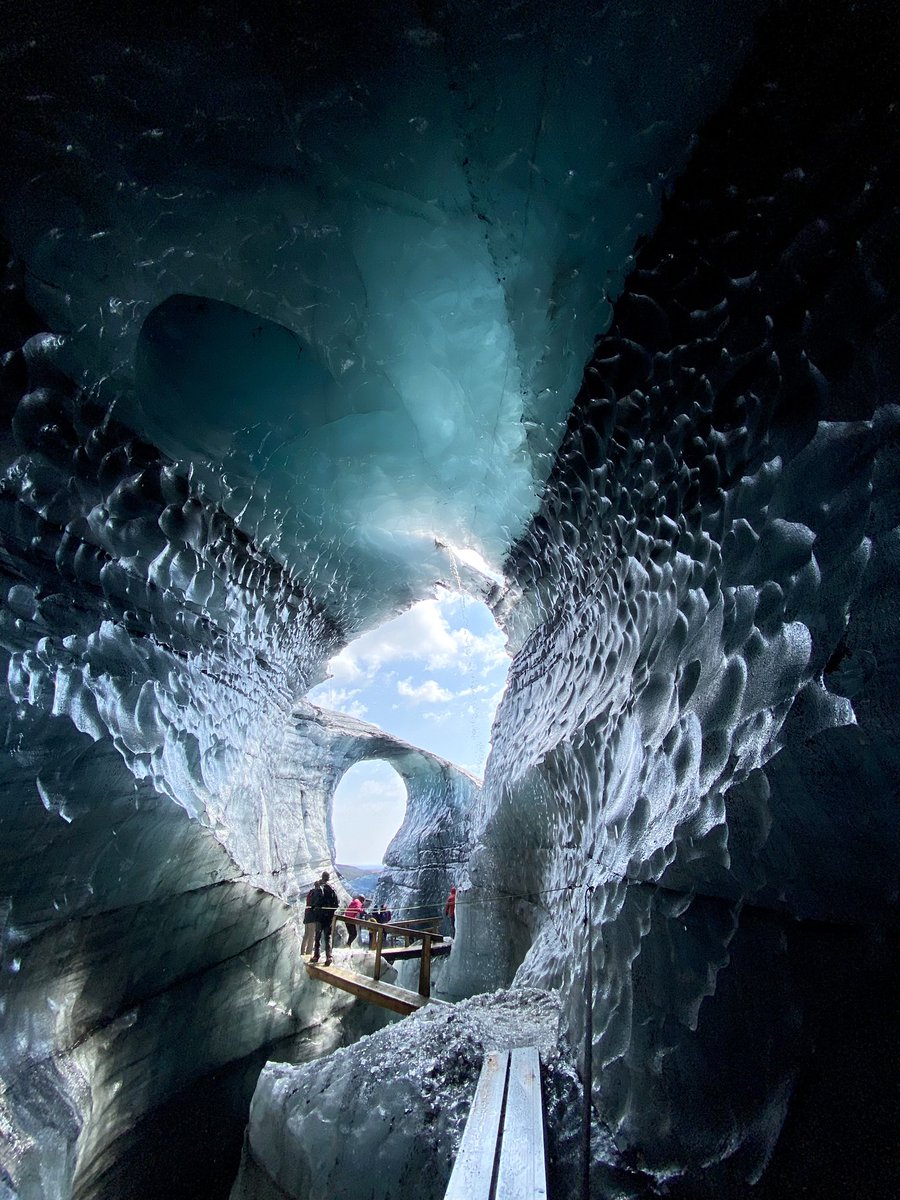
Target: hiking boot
(315,959)
(328,962)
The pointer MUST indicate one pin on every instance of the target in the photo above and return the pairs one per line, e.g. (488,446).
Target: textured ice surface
(153,769)
(700,722)
(432,844)
(150,654)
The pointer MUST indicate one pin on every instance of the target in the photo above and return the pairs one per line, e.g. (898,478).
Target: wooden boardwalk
(420,943)
(393,954)
(375,991)
(501,1156)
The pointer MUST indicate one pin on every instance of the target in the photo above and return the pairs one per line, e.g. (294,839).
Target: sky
(433,677)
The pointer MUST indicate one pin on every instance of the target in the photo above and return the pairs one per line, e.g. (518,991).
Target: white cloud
(437,718)
(422,634)
(340,699)
(429,692)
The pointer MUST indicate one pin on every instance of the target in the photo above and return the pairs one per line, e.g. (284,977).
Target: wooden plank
(473,1171)
(360,922)
(385,995)
(400,929)
(402,953)
(523,1170)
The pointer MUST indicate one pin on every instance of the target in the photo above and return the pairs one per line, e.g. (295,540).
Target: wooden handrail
(381,928)
(400,930)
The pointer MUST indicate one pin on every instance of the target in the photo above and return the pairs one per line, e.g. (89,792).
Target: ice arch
(432,845)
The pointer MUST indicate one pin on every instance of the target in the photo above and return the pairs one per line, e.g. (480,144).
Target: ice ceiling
(357,295)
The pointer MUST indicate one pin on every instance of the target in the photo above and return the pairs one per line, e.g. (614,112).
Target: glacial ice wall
(283,331)
(150,655)
(696,755)
(154,770)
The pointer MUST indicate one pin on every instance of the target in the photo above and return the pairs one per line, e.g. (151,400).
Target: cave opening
(431,677)
(367,809)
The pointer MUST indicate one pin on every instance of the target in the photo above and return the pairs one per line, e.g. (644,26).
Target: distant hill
(351,873)
(361,881)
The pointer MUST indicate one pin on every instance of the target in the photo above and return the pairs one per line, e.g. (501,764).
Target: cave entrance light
(432,677)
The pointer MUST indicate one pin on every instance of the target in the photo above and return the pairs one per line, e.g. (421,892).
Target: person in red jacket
(450,911)
(353,909)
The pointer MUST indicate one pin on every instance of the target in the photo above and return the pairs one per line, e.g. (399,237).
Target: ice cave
(309,309)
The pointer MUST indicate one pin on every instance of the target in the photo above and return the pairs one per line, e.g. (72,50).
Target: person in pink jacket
(354,909)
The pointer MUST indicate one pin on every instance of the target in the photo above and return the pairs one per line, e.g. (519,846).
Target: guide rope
(500,896)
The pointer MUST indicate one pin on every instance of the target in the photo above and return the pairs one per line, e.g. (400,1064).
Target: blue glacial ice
(294,319)
(359,312)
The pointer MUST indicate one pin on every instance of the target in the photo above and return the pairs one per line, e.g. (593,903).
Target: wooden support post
(379,946)
(425,968)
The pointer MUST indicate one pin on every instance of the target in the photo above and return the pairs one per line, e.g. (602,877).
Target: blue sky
(433,677)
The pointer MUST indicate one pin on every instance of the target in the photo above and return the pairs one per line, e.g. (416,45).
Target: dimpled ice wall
(155,774)
(700,724)
(150,655)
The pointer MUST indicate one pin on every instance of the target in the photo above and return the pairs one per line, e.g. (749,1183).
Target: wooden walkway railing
(426,944)
(364,987)
(406,929)
(501,1156)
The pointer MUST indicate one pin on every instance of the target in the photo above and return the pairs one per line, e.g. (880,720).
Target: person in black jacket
(324,905)
(309,923)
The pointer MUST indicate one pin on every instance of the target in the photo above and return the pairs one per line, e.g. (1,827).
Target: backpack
(329,896)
